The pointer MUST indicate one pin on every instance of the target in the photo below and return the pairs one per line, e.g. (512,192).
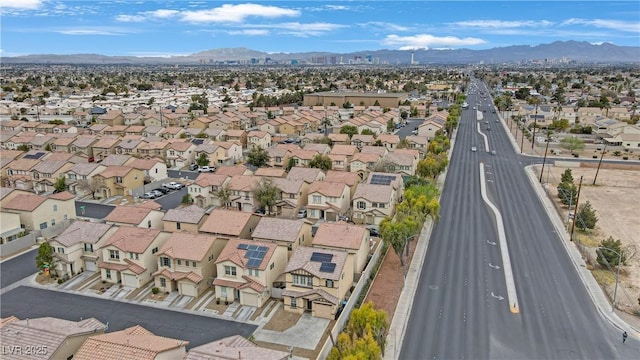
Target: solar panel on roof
(378,179)
(263,249)
(327,267)
(321,257)
(253,263)
(243,246)
(253,247)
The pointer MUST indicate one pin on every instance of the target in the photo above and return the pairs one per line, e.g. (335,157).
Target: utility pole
(521,140)
(575,213)
(544,159)
(599,163)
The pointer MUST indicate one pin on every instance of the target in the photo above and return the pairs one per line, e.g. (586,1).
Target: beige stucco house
(39,212)
(328,200)
(186,219)
(342,236)
(284,232)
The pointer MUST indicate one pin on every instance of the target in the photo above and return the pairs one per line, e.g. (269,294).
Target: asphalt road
(460,308)
(93,210)
(25,302)
(406,131)
(17,268)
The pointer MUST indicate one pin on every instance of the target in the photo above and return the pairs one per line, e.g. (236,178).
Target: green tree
(432,165)
(572,144)
(23,147)
(391,125)
(60,184)
(266,194)
(396,234)
(203,160)
(47,147)
(224,195)
(291,163)
(587,218)
(567,192)
(349,130)
(326,122)
(609,253)
(322,162)
(258,157)
(45,258)
(56,122)
(567,176)
(186,199)
(367,132)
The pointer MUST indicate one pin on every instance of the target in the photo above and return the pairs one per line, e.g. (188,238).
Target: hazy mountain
(570,50)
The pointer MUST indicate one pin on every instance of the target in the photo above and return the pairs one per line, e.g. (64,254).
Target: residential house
(129,146)
(83,145)
(429,127)
(278,157)
(237,136)
(112,118)
(46,173)
(186,263)
(104,147)
(235,347)
(302,157)
(308,175)
(46,337)
(349,178)
(342,236)
(317,281)
(63,143)
(403,162)
(119,180)
(362,140)
(137,216)
(153,169)
(39,212)
(134,343)
(389,141)
(289,233)
(241,188)
(227,224)
(416,142)
(10,227)
(363,163)
(372,203)
(270,172)
(18,173)
(339,139)
(81,173)
(231,153)
(247,270)
(186,219)
(180,154)
(128,256)
(328,200)
(76,249)
(259,139)
(204,190)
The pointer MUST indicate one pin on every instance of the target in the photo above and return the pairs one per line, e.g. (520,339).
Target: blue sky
(163,28)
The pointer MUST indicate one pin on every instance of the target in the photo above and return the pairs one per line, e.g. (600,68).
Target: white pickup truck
(173,185)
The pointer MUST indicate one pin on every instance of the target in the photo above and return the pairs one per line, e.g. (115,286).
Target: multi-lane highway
(461,307)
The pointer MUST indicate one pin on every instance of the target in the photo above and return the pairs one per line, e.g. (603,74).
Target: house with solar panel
(246,270)
(376,198)
(346,237)
(317,281)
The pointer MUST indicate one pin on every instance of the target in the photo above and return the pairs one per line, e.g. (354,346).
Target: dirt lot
(615,199)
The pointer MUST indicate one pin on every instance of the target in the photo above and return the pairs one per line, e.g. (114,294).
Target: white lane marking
(494,266)
(504,250)
(497,296)
(490,243)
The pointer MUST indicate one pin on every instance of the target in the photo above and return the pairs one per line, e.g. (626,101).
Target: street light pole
(575,213)
(544,159)
(615,289)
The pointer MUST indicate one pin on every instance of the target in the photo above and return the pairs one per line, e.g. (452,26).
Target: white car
(173,185)
(206,169)
(414,132)
(473,148)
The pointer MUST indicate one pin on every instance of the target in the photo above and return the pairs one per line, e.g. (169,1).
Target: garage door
(250,299)
(188,290)
(129,280)
(91,265)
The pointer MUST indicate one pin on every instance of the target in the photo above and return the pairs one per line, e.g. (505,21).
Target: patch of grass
(604,277)
(588,239)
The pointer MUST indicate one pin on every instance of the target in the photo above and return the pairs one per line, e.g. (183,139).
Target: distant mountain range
(581,52)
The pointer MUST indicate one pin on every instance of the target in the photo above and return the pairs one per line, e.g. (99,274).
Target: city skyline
(173,28)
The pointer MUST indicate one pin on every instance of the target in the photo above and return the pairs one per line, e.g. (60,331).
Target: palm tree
(532,100)
(325,122)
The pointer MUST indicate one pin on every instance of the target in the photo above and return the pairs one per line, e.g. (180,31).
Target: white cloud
(147,15)
(619,25)
(502,24)
(93,31)
(130,18)
(380,25)
(427,41)
(300,29)
(22,4)
(250,32)
(162,13)
(236,13)
(336,7)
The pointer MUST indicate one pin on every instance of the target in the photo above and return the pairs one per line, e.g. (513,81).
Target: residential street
(17,268)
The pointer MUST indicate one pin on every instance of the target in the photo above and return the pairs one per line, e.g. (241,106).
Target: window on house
(154,250)
(55,208)
(107,273)
(329,283)
(302,280)
(362,205)
(193,263)
(149,224)
(180,262)
(294,303)
(178,225)
(230,270)
(271,266)
(114,254)
(119,179)
(61,250)
(88,247)
(163,282)
(165,261)
(43,225)
(316,199)
(53,222)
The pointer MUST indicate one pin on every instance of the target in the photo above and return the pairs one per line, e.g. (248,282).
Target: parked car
(302,213)
(173,185)
(206,169)
(373,230)
(193,167)
(149,195)
(414,132)
(473,148)
(162,190)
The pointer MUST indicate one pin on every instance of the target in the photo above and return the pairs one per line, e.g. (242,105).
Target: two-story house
(153,169)
(241,188)
(138,216)
(18,173)
(259,139)
(373,202)
(206,188)
(186,263)
(180,153)
(46,173)
(328,200)
(317,281)
(233,347)
(128,256)
(227,224)
(39,212)
(284,232)
(292,196)
(119,180)
(247,270)
(81,173)
(76,249)
(104,147)
(187,219)
(342,236)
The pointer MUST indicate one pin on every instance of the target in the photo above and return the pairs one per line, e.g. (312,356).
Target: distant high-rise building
(412,58)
